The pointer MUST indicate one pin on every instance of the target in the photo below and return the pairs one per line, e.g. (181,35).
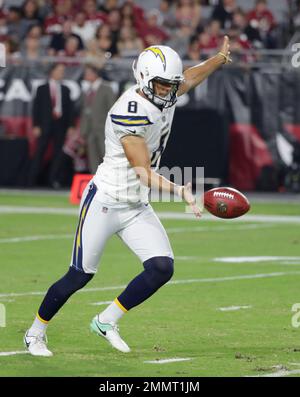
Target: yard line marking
(173,282)
(167,360)
(277,374)
(254,259)
(187,258)
(233,308)
(12,240)
(217,228)
(101,303)
(245,218)
(35,238)
(5,209)
(2,354)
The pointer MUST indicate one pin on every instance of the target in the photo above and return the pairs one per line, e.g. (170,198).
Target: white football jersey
(132,114)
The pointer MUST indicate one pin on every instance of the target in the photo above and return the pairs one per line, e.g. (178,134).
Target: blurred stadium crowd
(106,29)
(89,33)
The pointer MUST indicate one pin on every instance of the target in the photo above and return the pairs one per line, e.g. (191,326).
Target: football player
(116,200)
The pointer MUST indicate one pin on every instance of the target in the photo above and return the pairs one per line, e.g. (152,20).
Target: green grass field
(182,320)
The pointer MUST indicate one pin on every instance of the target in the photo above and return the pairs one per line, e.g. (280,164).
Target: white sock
(39,326)
(112,313)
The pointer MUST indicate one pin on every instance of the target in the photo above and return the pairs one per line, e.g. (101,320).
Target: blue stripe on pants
(78,245)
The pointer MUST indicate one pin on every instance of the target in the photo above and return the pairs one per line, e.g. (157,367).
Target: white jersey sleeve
(129,118)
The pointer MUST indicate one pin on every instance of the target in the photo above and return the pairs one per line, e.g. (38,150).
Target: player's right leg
(94,228)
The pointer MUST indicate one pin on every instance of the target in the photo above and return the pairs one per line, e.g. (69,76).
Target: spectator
(129,45)
(188,12)
(58,40)
(83,28)
(214,29)
(127,15)
(130,11)
(30,14)
(3,27)
(62,11)
(16,27)
(207,40)
(71,49)
(193,52)
(252,34)
(167,10)
(261,18)
(35,31)
(52,119)
(96,103)
(138,11)
(151,32)
(92,14)
(295,16)
(239,44)
(224,13)
(181,38)
(108,6)
(32,50)
(105,42)
(114,22)
(12,50)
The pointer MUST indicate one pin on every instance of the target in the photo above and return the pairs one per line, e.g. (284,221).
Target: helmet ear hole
(142,76)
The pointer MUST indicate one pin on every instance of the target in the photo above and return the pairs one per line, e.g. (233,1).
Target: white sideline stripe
(217,228)
(5,209)
(245,218)
(254,259)
(2,354)
(101,303)
(35,238)
(278,374)
(167,360)
(173,282)
(169,230)
(233,308)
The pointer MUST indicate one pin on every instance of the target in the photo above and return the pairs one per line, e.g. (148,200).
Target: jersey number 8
(132,107)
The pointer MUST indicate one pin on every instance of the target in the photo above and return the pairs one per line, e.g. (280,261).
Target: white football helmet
(158,63)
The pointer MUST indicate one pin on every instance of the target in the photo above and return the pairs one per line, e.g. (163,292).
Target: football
(226,202)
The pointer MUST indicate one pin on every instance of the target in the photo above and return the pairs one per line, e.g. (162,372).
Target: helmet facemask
(162,102)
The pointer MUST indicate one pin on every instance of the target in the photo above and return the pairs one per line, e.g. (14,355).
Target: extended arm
(138,156)
(195,75)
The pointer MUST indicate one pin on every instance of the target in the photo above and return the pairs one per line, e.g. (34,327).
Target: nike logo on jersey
(131,131)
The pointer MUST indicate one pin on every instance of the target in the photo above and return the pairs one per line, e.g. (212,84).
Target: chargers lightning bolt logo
(158,53)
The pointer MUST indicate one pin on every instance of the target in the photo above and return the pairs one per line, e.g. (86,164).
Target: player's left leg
(147,238)
(95,227)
